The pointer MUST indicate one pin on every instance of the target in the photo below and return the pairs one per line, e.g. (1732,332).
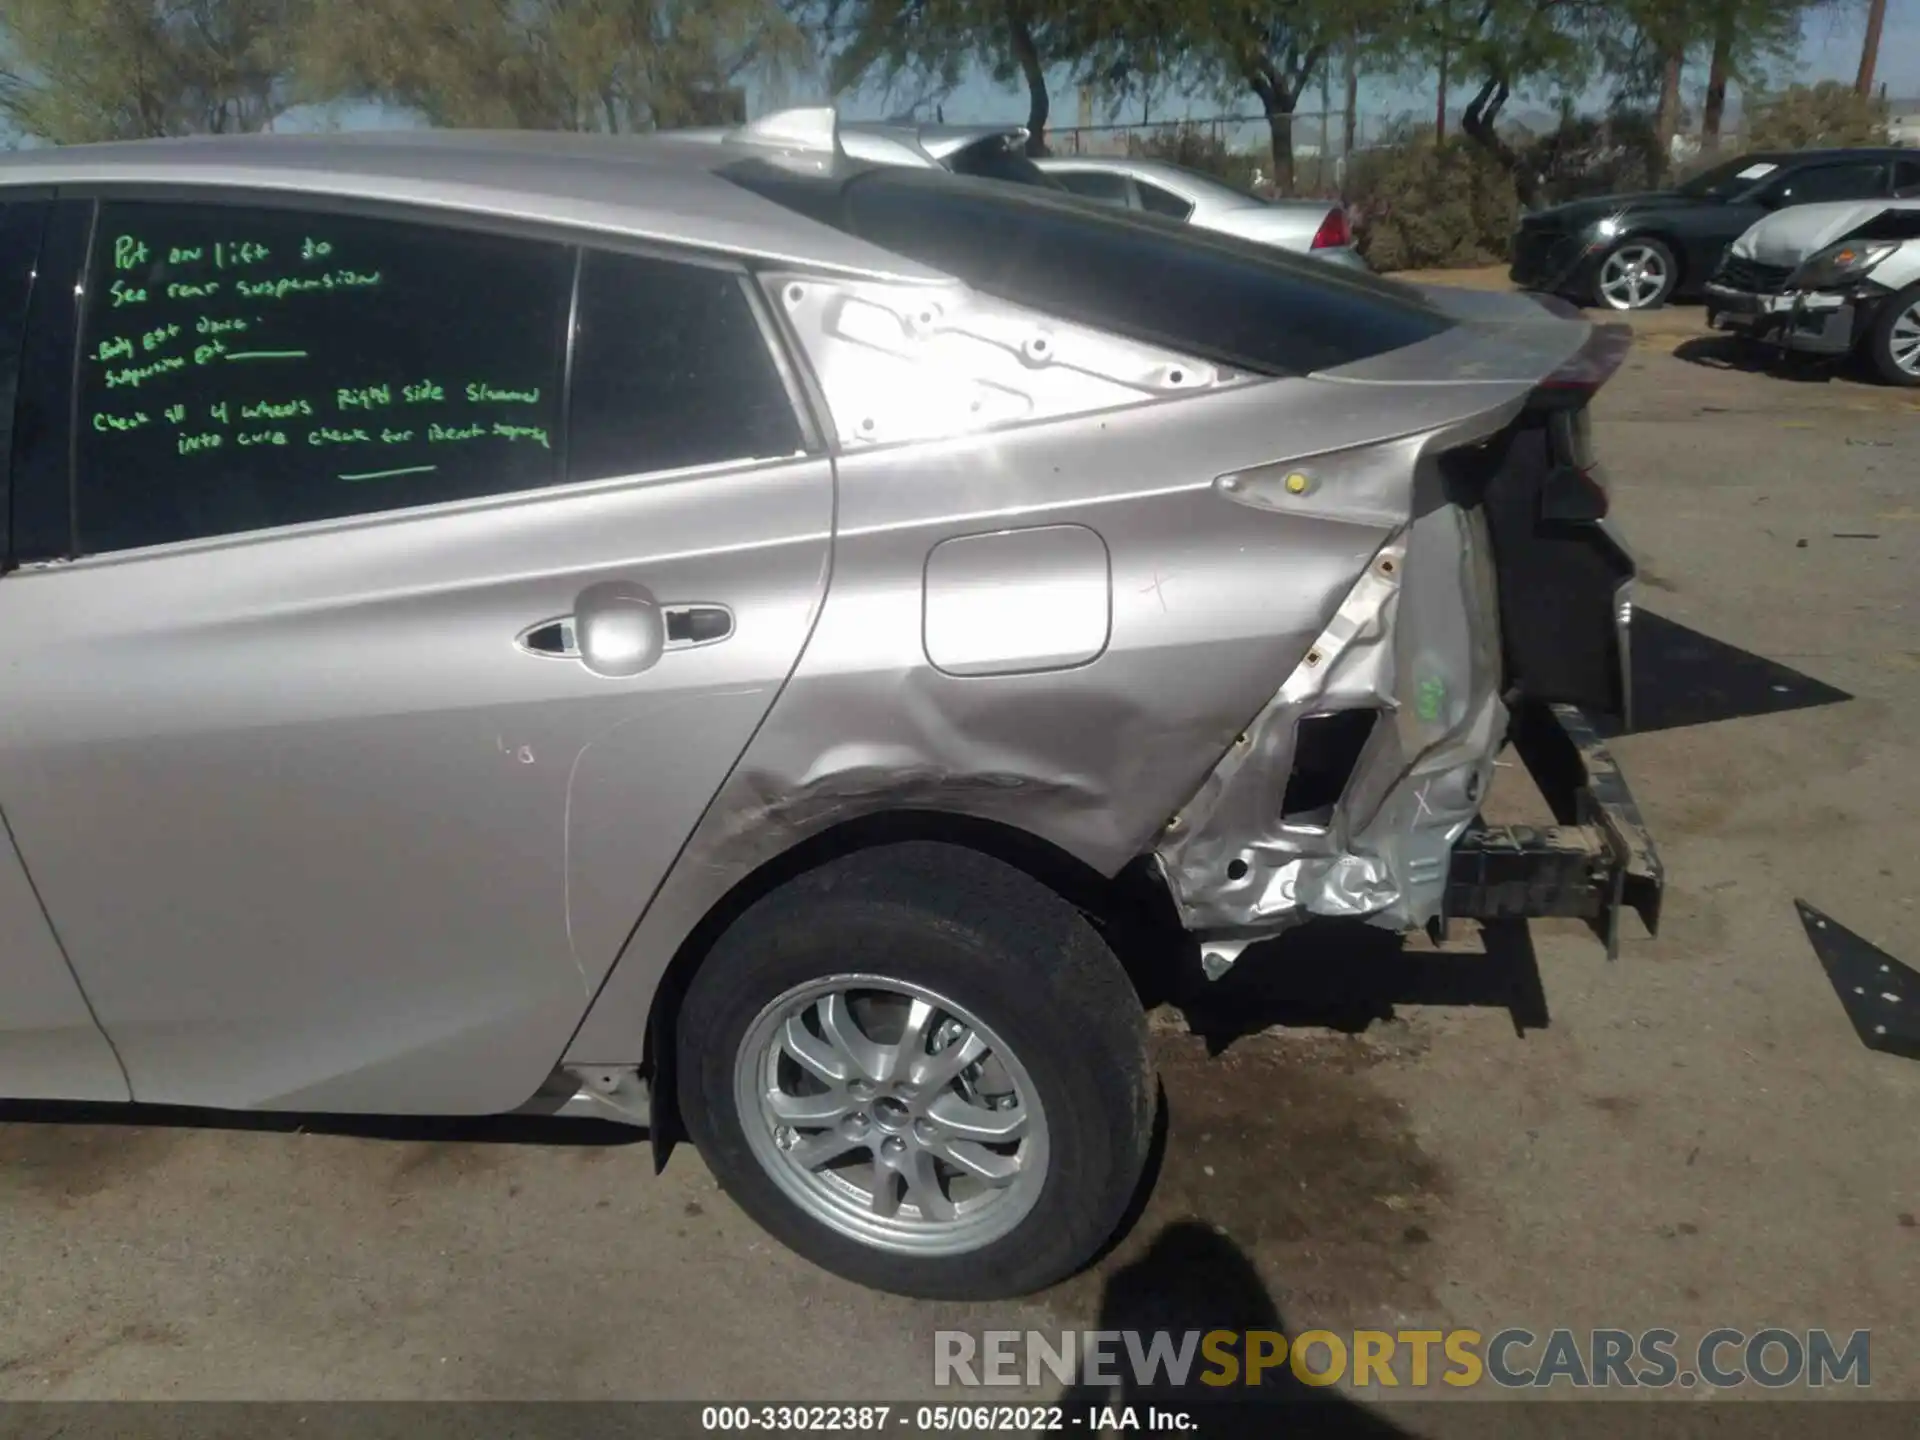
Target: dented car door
(372,688)
(50,1046)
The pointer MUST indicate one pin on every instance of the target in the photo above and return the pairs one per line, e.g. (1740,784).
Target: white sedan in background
(1315,227)
(1829,279)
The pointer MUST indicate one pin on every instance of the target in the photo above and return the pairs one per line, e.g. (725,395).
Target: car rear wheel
(1894,342)
(1638,273)
(922,1070)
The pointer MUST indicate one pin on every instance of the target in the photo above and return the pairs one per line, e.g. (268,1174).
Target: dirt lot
(1690,1137)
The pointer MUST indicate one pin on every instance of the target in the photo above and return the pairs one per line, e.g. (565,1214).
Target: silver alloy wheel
(1633,277)
(1903,341)
(892,1115)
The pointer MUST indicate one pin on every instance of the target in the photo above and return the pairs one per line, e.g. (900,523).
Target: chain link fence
(1322,142)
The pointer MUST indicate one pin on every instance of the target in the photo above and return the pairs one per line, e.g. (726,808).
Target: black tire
(1661,254)
(1880,337)
(995,942)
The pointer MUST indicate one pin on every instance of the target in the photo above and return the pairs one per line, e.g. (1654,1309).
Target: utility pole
(1351,119)
(1870,47)
(1326,121)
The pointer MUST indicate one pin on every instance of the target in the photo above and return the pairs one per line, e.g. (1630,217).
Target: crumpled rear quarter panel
(1415,643)
(1214,602)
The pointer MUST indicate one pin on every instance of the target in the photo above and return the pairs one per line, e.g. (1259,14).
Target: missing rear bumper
(1597,860)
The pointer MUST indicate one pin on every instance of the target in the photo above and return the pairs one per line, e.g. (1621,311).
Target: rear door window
(671,369)
(1162,201)
(1000,158)
(1906,179)
(1854,180)
(245,367)
(1210,295)
(1102,185)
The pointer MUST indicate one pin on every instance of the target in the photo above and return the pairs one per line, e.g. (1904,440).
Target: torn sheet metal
(1416,638)
(1880,994)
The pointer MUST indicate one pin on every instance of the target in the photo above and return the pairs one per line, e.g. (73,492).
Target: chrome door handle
(618,629)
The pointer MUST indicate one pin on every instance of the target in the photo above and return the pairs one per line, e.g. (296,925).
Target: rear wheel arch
(816,1096)
(1132,911)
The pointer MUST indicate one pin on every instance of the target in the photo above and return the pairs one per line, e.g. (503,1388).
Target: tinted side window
(248,367)
(40,499)
(21,223)
(670,368)
(1208,294)
(1101,185)
(1906,179)
(1000,159)
(1856,180)
(1162,202)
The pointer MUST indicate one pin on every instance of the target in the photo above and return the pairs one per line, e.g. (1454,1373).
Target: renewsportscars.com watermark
(1513,1358)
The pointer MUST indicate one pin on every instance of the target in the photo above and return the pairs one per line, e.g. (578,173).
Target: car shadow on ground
(1346,976)
(441,1129)
(1682,677)
(1193,1279)
(1751,357)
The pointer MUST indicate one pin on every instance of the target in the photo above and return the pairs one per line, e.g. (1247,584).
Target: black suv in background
(1632,252)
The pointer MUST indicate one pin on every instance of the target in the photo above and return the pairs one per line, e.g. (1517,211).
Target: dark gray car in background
(1633,252)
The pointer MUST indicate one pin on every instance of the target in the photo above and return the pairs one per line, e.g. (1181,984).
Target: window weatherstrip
(81,290)
(566,368)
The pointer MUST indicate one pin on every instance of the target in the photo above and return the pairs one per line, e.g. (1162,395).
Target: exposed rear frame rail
(1598,858)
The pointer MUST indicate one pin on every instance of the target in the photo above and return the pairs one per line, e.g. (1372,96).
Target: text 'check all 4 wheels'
(923,1070)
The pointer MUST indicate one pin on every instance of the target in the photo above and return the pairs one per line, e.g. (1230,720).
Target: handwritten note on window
(243,368)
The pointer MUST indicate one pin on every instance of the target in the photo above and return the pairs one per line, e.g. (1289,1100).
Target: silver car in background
(1834,279)
(1157,187)
(734,638)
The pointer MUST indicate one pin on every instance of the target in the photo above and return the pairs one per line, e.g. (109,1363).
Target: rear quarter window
(1000,158)
(1214,296)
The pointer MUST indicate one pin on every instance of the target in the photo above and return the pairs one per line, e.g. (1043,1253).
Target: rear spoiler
(1590,367)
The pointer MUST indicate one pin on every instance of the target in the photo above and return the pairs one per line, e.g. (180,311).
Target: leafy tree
(1740,39)
(1274,48)
(605,65)
(938,40)
(1661,32)
(80,70)
(1505,46)
(1743,39)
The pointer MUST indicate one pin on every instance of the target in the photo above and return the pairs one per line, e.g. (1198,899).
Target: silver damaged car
(703,635)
